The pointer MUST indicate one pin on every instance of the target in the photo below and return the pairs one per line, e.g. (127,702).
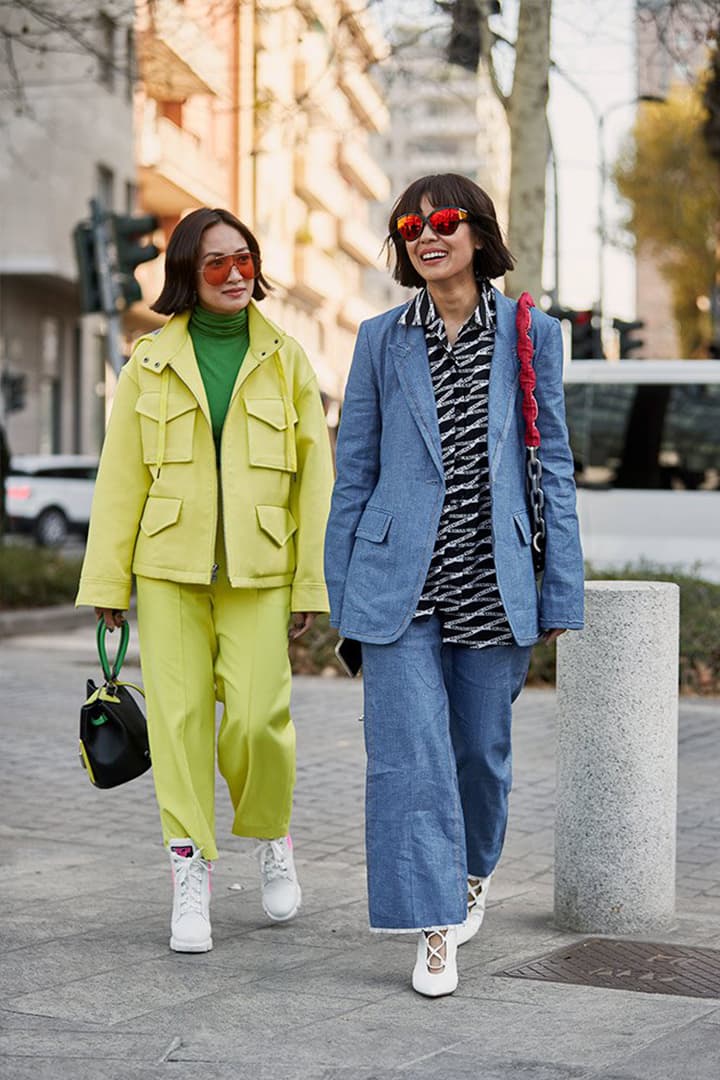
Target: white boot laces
(189,875)
(274,860)
(475,891)
(434,959)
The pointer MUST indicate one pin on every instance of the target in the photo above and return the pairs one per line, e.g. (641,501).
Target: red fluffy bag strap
(527,371)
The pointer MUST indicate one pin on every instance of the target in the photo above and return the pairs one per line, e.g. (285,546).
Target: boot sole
(195,947)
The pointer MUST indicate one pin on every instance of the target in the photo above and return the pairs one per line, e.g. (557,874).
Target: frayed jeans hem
(414,929)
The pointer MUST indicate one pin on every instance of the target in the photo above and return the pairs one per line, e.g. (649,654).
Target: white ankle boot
(477,898)
(435,971)
(190,924)
(280,889)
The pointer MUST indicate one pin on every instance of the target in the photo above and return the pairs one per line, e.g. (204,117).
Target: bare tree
(474,42)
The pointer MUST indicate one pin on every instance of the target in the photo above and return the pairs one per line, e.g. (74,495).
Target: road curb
(42,619)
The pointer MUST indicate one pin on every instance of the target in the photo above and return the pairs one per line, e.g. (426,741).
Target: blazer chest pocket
(271,433)
(179,426)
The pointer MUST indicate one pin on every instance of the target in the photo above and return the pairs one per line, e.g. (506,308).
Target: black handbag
(114,744)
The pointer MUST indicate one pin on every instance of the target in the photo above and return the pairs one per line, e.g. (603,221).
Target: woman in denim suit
(429,564)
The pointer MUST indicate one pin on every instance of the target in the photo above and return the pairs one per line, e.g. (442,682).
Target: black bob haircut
(492,260)
(181,259)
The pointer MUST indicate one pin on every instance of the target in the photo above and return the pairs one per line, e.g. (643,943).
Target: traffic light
(127,231)
(14,391)
(586,339)
(628,343)
(107,254)
(86,258)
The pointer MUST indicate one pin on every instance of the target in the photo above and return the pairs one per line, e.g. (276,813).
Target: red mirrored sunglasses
(216,271)
(443,221)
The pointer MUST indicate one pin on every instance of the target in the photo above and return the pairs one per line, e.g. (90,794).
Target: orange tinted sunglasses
(217,270)
(444,221)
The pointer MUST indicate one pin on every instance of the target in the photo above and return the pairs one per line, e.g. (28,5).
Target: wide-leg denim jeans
(437,735)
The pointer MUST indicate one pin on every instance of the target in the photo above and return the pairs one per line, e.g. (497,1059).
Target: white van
(645,436)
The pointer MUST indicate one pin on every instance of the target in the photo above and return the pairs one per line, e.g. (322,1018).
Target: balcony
(176,57)
(366,102)
(316,276)
(357,240)
(176,172)
(319,184)
(362,171)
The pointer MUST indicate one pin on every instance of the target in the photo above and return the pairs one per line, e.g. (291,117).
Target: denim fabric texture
(390,484)
(439,772)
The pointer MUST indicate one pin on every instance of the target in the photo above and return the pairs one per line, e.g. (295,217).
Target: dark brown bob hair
(492,260)
(181,259)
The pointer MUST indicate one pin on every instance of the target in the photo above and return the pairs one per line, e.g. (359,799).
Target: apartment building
(267,108)
(66,135)
(443,119)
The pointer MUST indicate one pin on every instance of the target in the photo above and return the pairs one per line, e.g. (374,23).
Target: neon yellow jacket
(155,508)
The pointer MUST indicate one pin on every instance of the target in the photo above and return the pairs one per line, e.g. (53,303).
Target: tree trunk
(529,146)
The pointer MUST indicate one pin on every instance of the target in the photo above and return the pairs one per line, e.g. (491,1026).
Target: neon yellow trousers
(199,644)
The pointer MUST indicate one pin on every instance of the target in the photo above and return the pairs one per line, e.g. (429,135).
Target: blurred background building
(67,114)
(442,119)
(261,107)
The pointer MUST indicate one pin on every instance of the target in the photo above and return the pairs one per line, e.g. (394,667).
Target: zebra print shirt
(461,585)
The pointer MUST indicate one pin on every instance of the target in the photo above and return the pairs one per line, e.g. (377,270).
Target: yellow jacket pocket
(179,426)
(271,434)
(277,522)
(159,513)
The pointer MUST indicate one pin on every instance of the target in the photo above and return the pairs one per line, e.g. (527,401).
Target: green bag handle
(111,674)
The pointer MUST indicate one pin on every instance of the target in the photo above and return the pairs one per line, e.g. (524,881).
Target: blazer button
(157,363)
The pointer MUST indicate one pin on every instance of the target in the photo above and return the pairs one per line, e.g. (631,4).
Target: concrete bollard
(617,694)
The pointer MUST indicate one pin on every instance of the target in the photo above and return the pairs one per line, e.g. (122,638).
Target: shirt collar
(420,310)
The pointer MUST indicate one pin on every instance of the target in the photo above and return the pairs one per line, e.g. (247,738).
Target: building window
(106,187)
(106,51)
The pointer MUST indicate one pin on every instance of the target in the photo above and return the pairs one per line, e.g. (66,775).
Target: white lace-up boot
(435,971)
(190,924)
(281,893)
(477,898)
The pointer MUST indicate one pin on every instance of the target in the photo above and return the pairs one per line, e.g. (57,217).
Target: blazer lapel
(504,384)
(413,370)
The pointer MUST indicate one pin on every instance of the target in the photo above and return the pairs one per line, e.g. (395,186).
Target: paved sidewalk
(90,991)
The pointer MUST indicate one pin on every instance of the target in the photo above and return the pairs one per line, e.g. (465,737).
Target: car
(49,495)
(646,445)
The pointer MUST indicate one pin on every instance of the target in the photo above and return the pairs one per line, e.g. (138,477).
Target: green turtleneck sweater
(220,343)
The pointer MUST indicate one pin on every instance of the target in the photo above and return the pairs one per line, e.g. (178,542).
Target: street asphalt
(90,991)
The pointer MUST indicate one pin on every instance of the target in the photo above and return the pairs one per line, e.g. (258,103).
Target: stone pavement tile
(690,1052)
(67,959)
(243,1018)
(129,991)
(404,1029)
(101,912)
(79,1045)
(339,926)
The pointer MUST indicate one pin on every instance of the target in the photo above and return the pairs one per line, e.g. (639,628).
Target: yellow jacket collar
(163,347)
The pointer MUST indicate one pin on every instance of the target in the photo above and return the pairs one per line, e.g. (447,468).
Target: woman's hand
(301,623)
(112,616)
(552,635)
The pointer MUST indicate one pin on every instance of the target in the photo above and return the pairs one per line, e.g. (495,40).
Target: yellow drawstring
(289,423)
(162,419)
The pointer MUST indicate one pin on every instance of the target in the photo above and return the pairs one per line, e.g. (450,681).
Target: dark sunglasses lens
(445,222)
(410,226)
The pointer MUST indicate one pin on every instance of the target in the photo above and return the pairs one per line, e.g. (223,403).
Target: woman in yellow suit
(213,489)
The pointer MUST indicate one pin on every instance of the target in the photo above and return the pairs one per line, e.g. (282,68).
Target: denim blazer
(390,484)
